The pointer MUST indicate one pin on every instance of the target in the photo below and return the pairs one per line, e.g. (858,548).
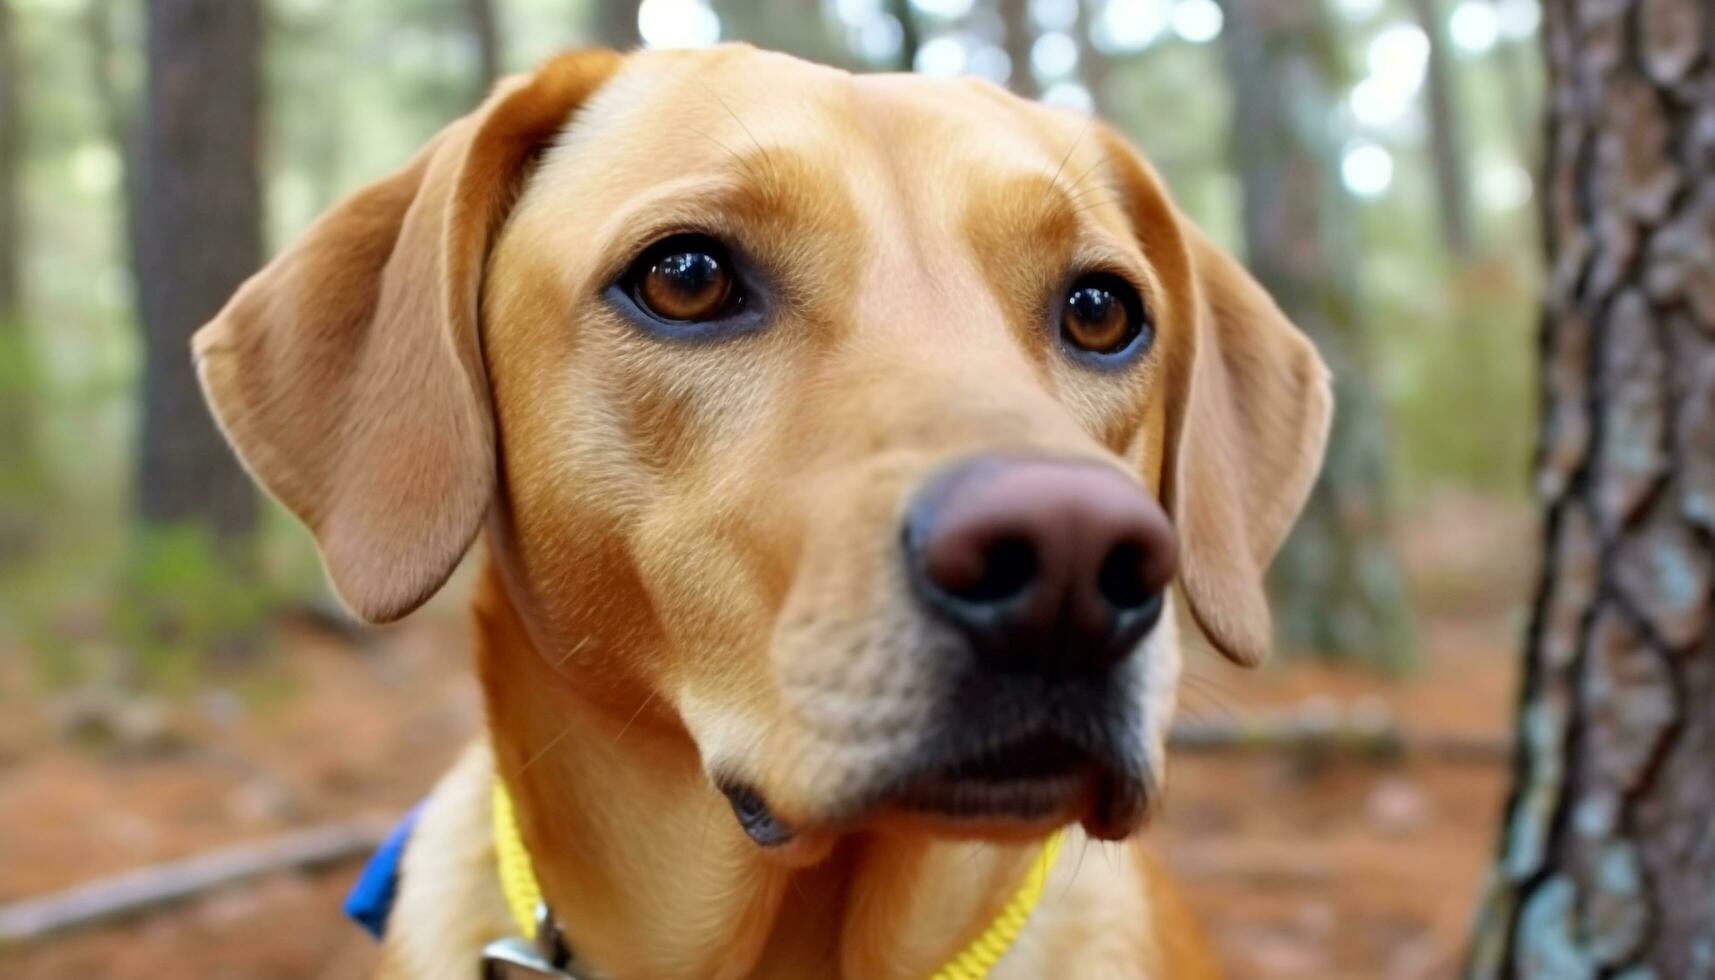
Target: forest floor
(1317,865)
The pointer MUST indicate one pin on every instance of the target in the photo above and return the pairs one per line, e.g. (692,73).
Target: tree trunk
(1020,37)
(19,461)
(11,176)
(1093,65)
(117,115)
(1446,135)
(197,215)
(910,38)
(1606,863)
(617,26)
(1338,589)
(484,25)
(1513,62)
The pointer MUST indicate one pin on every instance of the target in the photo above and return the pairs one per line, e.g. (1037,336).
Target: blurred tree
(617,27)
(196,212)
(1338,589)
(1607,854)
(795,26)
(1446,134)
(1517,93)
(18,456)
(1020,38)
(1093,66)
(485,34)
(117,116)
(910,38)
(11,166)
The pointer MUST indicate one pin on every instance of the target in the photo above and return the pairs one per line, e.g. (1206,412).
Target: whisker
(1073,148)
(1079,182)
(627,726)
(753,140)
(556,740)
(573,652)
(746,165)
(1239,698)
(1210,700)
(1087,191)
(1098,204)
(1076,868)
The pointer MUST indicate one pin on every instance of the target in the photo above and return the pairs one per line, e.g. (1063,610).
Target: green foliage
(1464,417)
(150,608)
(182,596)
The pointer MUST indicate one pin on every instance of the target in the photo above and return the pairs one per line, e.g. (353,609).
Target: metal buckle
(548,958)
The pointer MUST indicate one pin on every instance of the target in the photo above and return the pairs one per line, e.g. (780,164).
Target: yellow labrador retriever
(848,453)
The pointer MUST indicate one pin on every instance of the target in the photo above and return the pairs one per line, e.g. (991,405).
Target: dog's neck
(647,870)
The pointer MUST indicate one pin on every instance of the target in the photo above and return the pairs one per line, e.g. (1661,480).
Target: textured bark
(617,25)
(11,165)
(1338,591)
(1446,134)
(197,219)
(1020,37)
(1607,858)
(484,25)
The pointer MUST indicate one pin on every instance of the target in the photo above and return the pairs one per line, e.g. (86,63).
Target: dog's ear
(1248,410)
(348,373)
(1248,447)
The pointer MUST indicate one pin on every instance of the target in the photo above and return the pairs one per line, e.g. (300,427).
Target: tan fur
(691,568)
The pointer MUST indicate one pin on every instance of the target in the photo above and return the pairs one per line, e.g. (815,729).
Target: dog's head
(868,423)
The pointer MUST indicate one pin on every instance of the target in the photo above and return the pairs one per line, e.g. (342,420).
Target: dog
(848,452)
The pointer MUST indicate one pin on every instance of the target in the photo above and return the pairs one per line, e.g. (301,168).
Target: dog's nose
(1046,564)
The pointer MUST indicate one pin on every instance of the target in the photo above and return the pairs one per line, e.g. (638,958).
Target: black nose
(1045,564)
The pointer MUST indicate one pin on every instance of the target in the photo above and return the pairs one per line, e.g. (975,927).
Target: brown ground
(1300,867)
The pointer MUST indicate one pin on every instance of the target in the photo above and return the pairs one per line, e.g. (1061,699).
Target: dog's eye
(686,279)
(1102,315)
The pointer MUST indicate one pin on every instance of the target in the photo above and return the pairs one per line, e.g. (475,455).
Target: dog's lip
(1023,800)
(1036,781)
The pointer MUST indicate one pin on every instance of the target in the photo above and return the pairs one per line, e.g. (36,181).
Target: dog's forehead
(675,114)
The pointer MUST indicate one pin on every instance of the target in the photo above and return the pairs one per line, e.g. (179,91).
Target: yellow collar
(523,894)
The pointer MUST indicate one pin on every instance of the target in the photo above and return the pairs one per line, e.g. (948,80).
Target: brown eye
(686,280)
(1101,315)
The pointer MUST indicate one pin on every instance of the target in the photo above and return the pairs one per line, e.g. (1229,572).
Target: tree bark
(618,24)
(1447,144)
(1606,864)
(197,215)
(1020,38)
(11,173)
(484,24)
(1338,589)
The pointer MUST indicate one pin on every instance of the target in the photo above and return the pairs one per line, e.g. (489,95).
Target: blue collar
(370,903)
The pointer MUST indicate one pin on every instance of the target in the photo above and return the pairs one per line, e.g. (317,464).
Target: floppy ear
(348,373)
(1249,445)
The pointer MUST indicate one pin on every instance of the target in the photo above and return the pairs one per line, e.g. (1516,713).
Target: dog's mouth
(1031,779)
(1020,788)
(1006,758)
(1024,785)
